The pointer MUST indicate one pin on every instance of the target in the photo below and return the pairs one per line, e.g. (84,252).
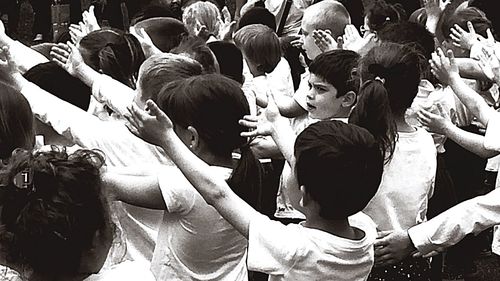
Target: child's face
(322,101)
(309,46)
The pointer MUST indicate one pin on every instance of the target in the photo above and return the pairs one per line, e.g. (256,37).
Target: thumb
(226,14)
(91,9)
(154,110)
(471,27)
(451,56)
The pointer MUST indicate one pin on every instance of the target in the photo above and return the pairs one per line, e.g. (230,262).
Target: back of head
(260,45)
(338,68)
(380,13)
(153,10)
(166,33)
(390,74)
(229,58)
(213,105)
(16,122)
(258,15)
(55,80)
(196,48)
(113,52)
(54,211)
(340,167)
(488,7)
(461,17)
(327,15)
(204,13)
(161,69)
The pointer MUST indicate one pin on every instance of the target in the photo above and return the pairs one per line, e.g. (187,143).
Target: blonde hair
(206,13)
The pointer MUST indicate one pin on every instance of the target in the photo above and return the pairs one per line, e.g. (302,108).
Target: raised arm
(445,68)
(24,57)
(158,129)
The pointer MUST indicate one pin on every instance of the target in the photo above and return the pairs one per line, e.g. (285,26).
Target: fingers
(451,57)
(226,15)
(154,109)
(248,123)
(471,28)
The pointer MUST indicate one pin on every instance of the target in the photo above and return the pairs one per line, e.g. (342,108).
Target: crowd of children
(304,140)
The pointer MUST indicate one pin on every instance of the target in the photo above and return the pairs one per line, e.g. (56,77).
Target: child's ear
(194,138)
(349,99)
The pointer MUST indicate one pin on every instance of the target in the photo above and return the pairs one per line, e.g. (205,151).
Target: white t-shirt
(407,183)
(294,252)
(124,271)
(194,241)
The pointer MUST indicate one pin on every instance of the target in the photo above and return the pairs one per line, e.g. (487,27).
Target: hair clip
(381,80)
(24,180)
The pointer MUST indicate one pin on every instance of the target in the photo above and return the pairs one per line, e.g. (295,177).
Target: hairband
(381,80)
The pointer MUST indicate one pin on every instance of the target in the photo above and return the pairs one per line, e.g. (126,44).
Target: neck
(402,125)
(213,160)
(340,228)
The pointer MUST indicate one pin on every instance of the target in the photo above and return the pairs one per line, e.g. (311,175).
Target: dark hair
(461,17)
(340,166)
(229,58)
(260,45)
(16,122)
(115,53)
(380,13)
(196,48)
(258,15)
(51,215)
(161,69)
(488,7)
(55,80)
(380,101)
(415,35)
(213,104)
(166,33)
(338,68)
(153,10)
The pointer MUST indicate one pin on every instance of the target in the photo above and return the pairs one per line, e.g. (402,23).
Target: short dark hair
(461,17)
(380,13)
(338,68)
(259,44)
(57,81)
(166,33)
(258,15)
(340,165)
(230,59)
(196,48)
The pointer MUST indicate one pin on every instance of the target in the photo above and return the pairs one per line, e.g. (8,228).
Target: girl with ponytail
(390,75)
(194,241)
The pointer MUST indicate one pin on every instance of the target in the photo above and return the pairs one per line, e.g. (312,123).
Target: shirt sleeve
(448,228)
(113,93)
(272,247)
(492,136)
(300,95)
(178,193)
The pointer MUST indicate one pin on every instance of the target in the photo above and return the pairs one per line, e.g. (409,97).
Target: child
(194,241)
(55,219)
(391,75)
(338,168)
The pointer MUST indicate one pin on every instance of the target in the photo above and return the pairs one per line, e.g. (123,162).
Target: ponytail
(373,112)
(246,179)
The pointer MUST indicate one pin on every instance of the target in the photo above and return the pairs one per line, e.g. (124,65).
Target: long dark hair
(213,104)
(390,74)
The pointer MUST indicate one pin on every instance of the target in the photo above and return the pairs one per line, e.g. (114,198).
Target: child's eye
(309,85)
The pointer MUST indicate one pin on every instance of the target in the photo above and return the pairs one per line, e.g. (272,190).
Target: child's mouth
(310,106)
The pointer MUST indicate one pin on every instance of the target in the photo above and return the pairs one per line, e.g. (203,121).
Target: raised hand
(90,20)
(436,123)
(147,44)
(353,40)
(324,40)
(262,125)
(391,247)
(77,32)
(228,27)
(68,57)
(152,125)
(462,38)
(444,66)
(434,8)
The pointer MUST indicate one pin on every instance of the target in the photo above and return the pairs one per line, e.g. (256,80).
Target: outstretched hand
(462,38)
(324,40)
(444,66)
(436,123)
(152,125)
(90,20)
(353,40)
(262,125)
(68,57)
(147,44)
(228,27)
(392,247)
